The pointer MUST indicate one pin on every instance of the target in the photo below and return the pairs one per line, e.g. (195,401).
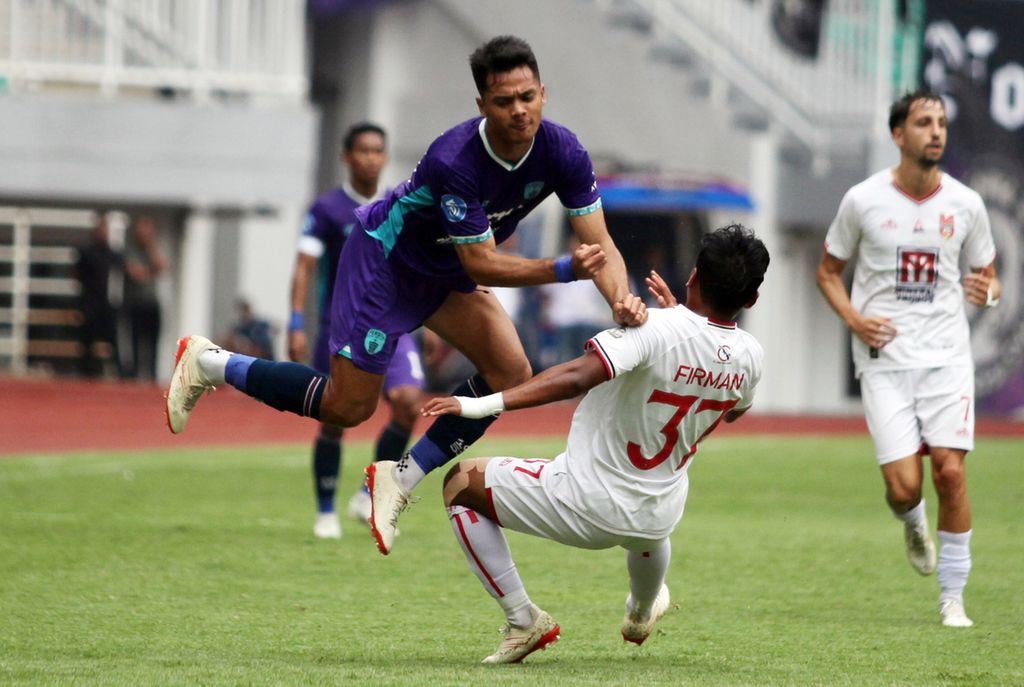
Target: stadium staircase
(818,73)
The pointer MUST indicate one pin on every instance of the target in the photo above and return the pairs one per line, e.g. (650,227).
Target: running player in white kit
(908,228)
(652,393)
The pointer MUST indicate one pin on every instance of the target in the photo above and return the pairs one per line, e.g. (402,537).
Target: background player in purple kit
(425,255)
(328,224)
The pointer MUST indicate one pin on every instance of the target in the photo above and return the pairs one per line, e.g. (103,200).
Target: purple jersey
(328,223)
(462,192)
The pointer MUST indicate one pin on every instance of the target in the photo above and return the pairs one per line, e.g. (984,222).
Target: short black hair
(901,108)
(357,130)
(731,264)
(499,55)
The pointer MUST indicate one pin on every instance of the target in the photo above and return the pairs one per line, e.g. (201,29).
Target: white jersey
(908,267)
(670,382)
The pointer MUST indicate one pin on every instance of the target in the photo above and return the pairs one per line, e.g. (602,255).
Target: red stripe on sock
(469,547)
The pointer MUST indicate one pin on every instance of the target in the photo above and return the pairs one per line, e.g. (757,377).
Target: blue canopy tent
(654,193)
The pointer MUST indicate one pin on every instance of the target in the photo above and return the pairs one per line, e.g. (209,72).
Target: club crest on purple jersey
(454,208)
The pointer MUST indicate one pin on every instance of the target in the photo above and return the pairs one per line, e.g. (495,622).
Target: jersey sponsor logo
(374,341)
(708,379)
(495,217)
(454,208)
(917,274)
(946,226)
(918,227)
(532,189)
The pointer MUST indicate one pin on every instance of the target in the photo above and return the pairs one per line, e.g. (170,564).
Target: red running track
(55,415)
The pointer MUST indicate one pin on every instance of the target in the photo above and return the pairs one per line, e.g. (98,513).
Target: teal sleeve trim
(577,212)
(390,229)
(478,238)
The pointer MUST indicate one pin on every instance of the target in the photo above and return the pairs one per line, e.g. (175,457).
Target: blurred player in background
(908,228)
(652,393)
(425,255)
(328,224)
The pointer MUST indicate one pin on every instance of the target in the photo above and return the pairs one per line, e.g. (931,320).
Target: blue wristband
(563,269)
(296,322)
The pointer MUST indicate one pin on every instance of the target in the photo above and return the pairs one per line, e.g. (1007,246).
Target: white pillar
(266,258)
(779,319)
(195,286)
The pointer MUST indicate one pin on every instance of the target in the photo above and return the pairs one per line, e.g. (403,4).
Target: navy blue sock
(284,386)
(392,442)
(450,435)
(326,466)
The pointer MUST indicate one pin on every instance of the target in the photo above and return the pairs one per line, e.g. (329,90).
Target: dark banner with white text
(974,57)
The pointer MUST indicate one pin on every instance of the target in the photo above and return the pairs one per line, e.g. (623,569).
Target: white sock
(488,555)
(913,516)
(954,564)
(213,362)
(646,575)
(408,473)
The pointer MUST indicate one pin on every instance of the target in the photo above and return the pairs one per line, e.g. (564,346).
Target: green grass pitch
(199,567)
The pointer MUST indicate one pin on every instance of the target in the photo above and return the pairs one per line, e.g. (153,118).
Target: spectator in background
(574,312)
(658,258)
(98,331)
(251,335)
(143,264)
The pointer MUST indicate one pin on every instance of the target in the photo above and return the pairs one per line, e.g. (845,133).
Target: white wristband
(991,302)
(485,406)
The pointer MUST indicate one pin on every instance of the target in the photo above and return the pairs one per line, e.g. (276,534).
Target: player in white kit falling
(908,228)
(652,393)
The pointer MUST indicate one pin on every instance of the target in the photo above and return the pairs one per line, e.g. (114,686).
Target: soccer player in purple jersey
(426,255)
(328,224)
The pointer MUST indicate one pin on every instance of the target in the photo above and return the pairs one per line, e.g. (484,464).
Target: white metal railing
(843,89)
(237,47)
(19,252)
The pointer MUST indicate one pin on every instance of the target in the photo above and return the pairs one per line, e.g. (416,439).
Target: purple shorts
(406,368)
(376,302)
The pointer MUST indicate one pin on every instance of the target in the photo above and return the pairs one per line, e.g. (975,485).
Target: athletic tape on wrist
(476,408)
(991,302)
(296,322)
(563,269)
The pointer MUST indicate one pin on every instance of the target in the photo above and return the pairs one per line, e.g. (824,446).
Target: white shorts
(517,488)
(905,408)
